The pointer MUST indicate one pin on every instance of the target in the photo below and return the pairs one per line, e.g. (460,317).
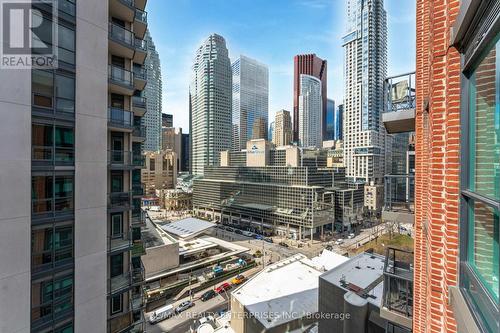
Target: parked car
(223,287)
(161,314)
(184,306)
(269,240)
(248,233)
(258,237)
(238,279)
(351,236)
(229,229)
(208,295)
(238,231)
(283,244)
(339,241)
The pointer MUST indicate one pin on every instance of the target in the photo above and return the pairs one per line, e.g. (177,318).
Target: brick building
(457,188)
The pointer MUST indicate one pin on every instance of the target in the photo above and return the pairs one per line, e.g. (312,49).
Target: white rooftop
(188,227)
(282,292)
(328,260)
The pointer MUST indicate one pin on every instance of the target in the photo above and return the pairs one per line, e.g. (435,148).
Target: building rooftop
(280,290)
(328,260)
(362,274)
(188,227)
(153,236)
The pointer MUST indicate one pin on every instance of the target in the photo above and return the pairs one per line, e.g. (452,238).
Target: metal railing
(138,189)
(120,242)
(53,155)
(399,193)
(139,72)
(138,160)
(120,118)
(398,281)
(120,75)
(138,217)
(139,131)
(400,92)
(138,273)
(141,15)
(141,44)
(122,35)
(138,101)
(120,282)
(52,206)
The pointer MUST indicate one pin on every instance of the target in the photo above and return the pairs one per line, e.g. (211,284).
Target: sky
(270,31)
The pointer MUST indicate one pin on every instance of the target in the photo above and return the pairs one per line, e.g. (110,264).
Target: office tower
(250,101)
(152,120)
(160,171)
(283,132)
(308,64)
(330,120)
(184,166)
(172,140)
(210,103)
(62,131)
(365,47)
(457,193)
(338,121)
(167,120)
(310,112)
(270,133)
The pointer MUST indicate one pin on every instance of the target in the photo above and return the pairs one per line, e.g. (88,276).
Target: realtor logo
(29,34)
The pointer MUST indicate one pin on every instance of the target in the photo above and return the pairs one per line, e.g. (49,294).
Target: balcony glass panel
(120,75)
(141,15)
(121,34)
(141,44)
(120,117)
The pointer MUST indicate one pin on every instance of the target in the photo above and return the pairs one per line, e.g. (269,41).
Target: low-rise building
(160,171)
(175,199)
(374,197)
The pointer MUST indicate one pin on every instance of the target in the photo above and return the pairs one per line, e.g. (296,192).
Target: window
(51,247)
(51,194)
(116,264)
(152,164)
(116,304)
(480,214)
(116,225)
(51,299)
(43,147)
(44,83)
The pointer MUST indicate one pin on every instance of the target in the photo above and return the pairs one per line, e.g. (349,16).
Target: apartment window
(51,194)
(116,304)
(51,247)
(51,299)
(480,181)
(51,90)
(152,164)
(116,265)
(52,144)
(116,225)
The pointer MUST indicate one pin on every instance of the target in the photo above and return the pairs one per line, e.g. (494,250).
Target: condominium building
(283,131)
(310,112)
(330,120)
(365,48)
(67,155)
(210,104)
(153,118)
(250,101)
(308,64)
(339,123)
(160,171)
(457,150)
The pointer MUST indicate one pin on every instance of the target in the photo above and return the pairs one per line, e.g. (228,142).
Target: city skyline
(271,40)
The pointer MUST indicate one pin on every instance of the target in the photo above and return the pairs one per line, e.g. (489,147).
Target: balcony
(397,300)
(137,302)
(119,243)
(140,22)
(140,4)
(139,133)
(52,156)
(52,207)
(120,283)
(122,9)
(140,78)
(138,271)
(141,51)
(138,248)
(121,81)
(120,160)
(399,198)
(119,201)
(119,119)
(138,190)
(139,105)
(138,160)
(121,41)
(400,102)
(138,217)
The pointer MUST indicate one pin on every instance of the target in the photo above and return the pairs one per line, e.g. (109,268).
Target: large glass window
(51,194)
(51,299)
(43,138)
(51,247)
(48,87)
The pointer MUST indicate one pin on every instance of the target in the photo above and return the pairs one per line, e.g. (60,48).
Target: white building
(210,103)
(310,112)
(250,101)
(153,94)
(365,67)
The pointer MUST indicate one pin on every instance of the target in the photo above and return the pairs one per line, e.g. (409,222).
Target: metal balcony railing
(140,72)
(120,76)
(120,118)
(120,283)
(53,155)
(141,15)
(138,273)
(138,217)
(141,45)
(121,35)
(139,131)
(120,242)
(138,189)
(398,282)
(52,206)
(138,160)
(400,92)
(138,248)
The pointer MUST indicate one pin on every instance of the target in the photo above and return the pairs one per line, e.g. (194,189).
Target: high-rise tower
(365,47)
(283,132)
(250,101)
(310,112)
(308,64)
(210,103)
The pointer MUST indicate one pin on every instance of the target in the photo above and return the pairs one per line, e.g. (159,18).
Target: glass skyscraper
(310,112)
(338,121)
(250,101)
(330,120)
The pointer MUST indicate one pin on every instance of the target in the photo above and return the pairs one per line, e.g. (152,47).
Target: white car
(351,236)
(339,241)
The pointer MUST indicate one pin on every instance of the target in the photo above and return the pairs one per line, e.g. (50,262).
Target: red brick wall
(437,166)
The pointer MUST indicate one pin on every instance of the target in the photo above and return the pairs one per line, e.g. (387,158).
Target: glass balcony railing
(139,102)
(119,200)
(138,189)
(121,76)
(139,72)
(138,272)
(120,242)
(138,160)
(138,217)
(120,282)
(141,45)
(138,248)
(120,118)
(53,155)
(121,35)
(139,131)
(52,206)
(141,15)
